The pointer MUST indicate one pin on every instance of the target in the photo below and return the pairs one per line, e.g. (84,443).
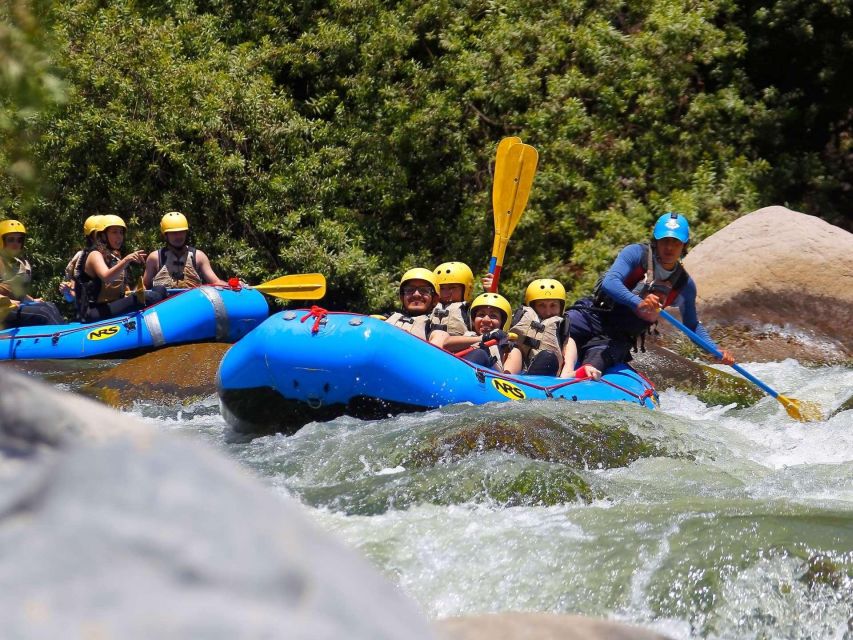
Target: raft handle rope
(128,318)
(81,327)
(549,390)
(319,314)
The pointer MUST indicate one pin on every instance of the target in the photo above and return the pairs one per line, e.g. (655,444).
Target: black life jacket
(87,289)
(641,281)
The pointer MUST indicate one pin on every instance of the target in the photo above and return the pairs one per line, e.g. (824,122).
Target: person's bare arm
(97,267)
(206,272)
(152,266)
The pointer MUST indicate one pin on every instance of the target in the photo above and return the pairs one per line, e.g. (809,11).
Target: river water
(695,521)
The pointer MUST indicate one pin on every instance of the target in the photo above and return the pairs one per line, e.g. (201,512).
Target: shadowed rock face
(168,376)
(777,284)
(112,530)
(669,369)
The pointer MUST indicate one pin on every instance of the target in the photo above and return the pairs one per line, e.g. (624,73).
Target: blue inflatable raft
(197,315)
(297,368)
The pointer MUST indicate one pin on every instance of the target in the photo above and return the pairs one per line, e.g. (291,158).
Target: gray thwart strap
(152,322)
(212,294)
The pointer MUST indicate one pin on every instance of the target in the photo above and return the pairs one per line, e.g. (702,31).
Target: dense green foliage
(28,84)
(355,137)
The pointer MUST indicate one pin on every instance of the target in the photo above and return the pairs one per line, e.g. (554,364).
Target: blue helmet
(672,225)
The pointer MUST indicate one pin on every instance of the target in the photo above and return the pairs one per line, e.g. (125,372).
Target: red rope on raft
(318,313)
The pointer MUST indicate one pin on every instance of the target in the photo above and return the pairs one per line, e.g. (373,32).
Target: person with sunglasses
(17,307)
(418,297)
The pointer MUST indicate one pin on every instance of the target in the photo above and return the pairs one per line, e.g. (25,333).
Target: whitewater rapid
(738,524)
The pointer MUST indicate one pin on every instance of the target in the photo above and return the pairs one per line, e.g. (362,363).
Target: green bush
(355,137)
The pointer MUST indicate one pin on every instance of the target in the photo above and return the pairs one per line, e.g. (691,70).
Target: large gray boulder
(109,529)
(776,284)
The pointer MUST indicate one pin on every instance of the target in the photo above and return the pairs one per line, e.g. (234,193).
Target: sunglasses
(13,240)
(410,291)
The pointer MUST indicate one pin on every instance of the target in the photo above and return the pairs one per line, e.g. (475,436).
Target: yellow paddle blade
(140,292)
(303,286)
(499,179)
(514,190)
(801,410)
(5,308)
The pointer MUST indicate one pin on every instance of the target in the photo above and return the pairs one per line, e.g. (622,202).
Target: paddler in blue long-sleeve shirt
(643,279)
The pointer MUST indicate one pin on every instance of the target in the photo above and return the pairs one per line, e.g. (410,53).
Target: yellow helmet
(545,289)
(91,225)
(111,220)
(419,273)
(11,226)
(493,300)
(456,273)
(174,221)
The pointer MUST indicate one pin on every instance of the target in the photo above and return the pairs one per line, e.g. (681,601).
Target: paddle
(140,292)
(515,167)
(797,409)
(303,286)
(487,343)
(500,171)
(5,308)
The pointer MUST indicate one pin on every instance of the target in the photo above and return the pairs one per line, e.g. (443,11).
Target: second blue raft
(297,368)
(203,314)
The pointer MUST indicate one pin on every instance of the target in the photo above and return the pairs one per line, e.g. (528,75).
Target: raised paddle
(797,409)
(513,178)
(500,170)
(302,286)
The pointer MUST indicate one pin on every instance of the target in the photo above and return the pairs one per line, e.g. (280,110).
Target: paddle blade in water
(801,410)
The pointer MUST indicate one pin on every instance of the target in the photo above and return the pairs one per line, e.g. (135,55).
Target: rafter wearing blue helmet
(644,278)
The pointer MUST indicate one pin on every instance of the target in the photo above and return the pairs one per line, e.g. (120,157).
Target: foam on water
(744,529)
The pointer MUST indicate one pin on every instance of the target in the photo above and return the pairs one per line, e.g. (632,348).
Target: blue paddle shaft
(707,346)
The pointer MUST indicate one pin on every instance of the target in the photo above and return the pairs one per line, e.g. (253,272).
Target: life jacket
(177,271)
(90,290)
(453,318)
(641,280)
(536,336)
(418,326)
(621,321)
(15,277)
